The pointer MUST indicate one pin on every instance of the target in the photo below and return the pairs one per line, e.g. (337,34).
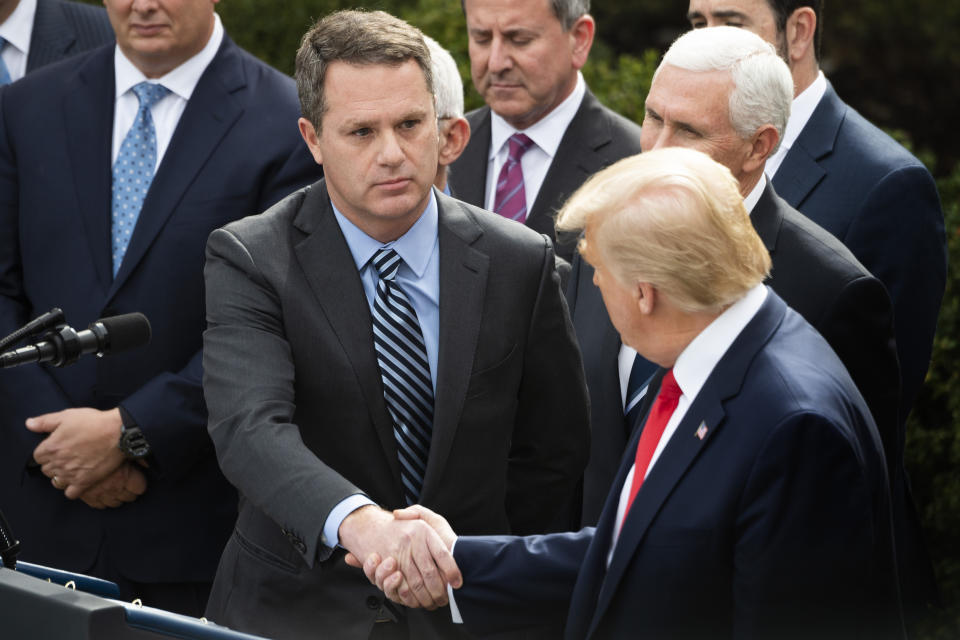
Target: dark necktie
(663,407)
(510,200)
(4,72)
(405,371)
(641,373)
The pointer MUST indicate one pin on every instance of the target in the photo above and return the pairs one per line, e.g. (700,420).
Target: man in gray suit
(34,33)
(541,121)
(373,343)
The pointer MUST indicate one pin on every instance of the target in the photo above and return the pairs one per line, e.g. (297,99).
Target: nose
(391,153)
(499,59)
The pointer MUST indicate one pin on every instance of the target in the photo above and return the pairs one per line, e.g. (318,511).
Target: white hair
(447,84)
(763,85)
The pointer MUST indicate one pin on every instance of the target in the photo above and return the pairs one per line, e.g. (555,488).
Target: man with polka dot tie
(114,168)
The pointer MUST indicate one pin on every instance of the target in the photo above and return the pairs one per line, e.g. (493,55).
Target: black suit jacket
(816,275)
(299,420)
(235,151)
(767,515)
(596,138)
(62,29)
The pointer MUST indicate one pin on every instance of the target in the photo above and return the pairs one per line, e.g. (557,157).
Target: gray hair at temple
(447,83)
(359,38)
(763,86)
(567,11)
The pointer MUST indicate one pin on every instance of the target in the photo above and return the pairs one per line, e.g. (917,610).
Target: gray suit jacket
(596,138)
(299,422)
(62,29)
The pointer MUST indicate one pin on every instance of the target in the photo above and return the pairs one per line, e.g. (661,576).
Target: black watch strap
(133,444)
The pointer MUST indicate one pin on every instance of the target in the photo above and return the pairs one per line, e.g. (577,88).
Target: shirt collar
(18,28)
(754,196)
(547,132)
(183,79)
(802,109)
(414,247)
(697,361)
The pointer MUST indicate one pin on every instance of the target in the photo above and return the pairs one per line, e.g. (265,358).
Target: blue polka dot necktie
(133,170)
(404,368)
(4,72)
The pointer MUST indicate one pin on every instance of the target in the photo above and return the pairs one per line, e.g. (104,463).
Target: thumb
(46,423)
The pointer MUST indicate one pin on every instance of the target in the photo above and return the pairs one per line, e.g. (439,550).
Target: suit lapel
(52,35)
(88,122)
(210,113)
(800,171)
(330,270)
(767,218)
(468,175)
(577,158)
(463,279)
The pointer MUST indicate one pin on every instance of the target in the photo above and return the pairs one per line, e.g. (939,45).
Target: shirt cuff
(331,528)
(454,610)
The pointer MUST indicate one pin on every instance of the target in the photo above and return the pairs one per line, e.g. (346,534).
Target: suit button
(373,602)
(302,548)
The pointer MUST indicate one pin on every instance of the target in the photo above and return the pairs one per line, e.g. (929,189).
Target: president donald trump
(753,502)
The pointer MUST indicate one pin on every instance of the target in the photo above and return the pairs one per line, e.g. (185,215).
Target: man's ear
(799,32)
(309,135)
(762,145)
(646,297)
(581,33)
(454,136)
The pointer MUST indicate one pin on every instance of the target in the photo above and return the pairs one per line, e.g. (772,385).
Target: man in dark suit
(812,271)
(525,57)
(753,501)
(852,179)
(859,184)
(34,33)
(374,342)
(131,427)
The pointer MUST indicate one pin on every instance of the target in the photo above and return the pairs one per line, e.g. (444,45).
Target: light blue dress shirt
(419,277)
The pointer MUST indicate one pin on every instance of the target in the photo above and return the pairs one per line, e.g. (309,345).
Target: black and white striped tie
(405,370)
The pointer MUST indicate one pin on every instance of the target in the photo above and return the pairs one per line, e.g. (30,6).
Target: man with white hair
(724,91)
(454,128)
(753,502)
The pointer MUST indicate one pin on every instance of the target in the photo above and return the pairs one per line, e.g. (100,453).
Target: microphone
(64,345)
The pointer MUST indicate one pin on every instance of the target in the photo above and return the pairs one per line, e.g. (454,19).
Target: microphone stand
(9,545)
(43,322)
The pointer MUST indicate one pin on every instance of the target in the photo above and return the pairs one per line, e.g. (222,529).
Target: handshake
(406,554)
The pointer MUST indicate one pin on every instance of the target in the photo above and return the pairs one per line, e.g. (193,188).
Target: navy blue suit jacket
(774,524)
(62,29)
(236,150)
(863,187)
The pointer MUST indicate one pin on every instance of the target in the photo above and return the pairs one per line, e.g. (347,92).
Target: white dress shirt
(166,112)
(546,134)
(17,31)
(691,370)
(801,109)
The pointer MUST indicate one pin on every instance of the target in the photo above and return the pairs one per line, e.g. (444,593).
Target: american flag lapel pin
(701,431)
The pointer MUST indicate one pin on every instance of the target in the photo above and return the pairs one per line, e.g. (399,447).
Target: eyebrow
(722,14)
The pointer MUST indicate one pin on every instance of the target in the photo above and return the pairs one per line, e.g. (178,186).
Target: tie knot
(669,389)
(387,262)
(149,92)
(519,143)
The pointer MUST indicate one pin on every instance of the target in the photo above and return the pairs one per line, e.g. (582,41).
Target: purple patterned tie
(511,198)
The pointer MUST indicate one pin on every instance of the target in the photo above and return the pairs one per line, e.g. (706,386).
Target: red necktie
(659,415)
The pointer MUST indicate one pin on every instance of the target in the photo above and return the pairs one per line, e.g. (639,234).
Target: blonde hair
(673,218)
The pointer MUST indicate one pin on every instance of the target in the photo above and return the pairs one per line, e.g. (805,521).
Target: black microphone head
(126,331)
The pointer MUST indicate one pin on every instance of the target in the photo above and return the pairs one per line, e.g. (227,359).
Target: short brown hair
(355,37)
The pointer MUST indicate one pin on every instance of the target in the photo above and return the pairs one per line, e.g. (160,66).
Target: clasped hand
(406,554)
(81,458)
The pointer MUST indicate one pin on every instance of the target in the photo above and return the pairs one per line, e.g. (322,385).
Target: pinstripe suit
(62,29)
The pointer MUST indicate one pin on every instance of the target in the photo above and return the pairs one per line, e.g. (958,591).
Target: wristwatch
(133,444)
